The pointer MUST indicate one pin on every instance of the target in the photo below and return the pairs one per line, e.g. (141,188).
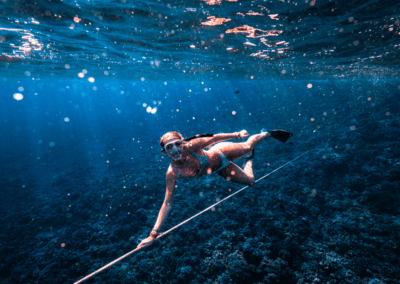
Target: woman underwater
(190,160)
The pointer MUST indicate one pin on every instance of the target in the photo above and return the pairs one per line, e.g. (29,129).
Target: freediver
(191,160)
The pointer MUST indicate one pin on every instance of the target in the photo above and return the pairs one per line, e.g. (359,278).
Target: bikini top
(202,160)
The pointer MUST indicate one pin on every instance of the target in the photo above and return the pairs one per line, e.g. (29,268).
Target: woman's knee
(248,146)
(243,180)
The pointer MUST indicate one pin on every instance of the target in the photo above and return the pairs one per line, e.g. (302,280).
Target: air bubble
(18,96)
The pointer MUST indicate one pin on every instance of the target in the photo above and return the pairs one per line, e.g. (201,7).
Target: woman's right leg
(234,151)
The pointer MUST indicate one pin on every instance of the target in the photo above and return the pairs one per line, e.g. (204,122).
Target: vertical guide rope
(180,224)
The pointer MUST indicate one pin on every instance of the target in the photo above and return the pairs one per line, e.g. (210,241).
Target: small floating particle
(18,96)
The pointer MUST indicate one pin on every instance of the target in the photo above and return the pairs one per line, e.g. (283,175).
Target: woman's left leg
(236,174)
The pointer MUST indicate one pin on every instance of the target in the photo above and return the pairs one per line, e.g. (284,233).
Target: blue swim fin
(279,134)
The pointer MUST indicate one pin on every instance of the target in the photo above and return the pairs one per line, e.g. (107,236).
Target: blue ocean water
(89,87)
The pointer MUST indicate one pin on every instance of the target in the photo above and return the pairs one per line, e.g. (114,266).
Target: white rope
(180,224)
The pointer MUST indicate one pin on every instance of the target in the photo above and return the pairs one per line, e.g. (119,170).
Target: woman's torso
(191,167)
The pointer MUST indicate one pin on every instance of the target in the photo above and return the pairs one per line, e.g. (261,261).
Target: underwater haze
(89,87)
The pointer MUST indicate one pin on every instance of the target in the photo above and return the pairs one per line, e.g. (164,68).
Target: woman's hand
(146,242)
(242,134)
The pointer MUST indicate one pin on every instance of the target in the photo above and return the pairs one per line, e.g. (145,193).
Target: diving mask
(174,149)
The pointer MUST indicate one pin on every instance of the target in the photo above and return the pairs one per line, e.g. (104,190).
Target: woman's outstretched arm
(168,200)
(165,208)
